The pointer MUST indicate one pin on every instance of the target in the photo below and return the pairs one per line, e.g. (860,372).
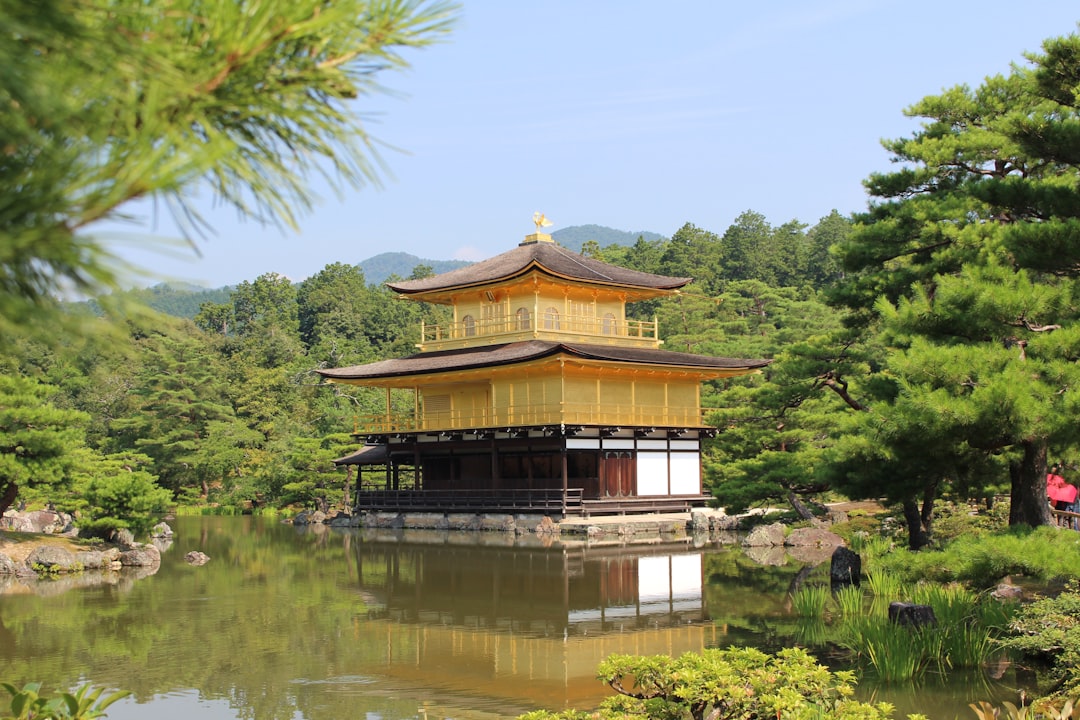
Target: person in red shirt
(1060,493)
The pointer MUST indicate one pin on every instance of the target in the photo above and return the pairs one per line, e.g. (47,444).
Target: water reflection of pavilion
(495,623)
(536,591)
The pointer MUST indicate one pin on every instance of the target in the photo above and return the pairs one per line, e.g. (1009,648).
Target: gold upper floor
(537,308)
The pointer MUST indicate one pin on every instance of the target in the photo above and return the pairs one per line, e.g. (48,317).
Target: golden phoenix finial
(541,221)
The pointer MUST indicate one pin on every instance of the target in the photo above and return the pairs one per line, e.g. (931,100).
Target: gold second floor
(538,401)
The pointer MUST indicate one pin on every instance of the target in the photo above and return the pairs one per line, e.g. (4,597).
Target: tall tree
(35,438)
(967,260)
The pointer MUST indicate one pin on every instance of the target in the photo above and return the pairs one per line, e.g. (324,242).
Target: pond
(316,623)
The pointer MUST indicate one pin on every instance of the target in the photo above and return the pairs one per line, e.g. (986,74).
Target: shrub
(724,685)
(83,704)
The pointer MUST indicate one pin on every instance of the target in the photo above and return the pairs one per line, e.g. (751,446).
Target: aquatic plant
(810,601)
(849,600)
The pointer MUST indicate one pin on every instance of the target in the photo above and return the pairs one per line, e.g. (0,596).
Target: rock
(723,523)
(1008,591)
(98,559)
(318,517)
(912,615)
(340,520)
(813,537)
(49,558)
(124,538)
(7,565)
(16,522)
(141,556)
(547,526)
(699,521)
(845,568)
(196,558)
(765,536)
(161,530)
(301,518)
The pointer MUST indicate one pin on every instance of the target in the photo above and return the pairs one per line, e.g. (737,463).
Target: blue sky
(638,116)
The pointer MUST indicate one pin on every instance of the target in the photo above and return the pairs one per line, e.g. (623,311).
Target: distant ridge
(379,267)
(575,236)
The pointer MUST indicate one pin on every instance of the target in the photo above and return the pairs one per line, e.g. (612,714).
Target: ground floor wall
(600,463)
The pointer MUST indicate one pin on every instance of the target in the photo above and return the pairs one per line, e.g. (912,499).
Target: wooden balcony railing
(509,329)
(524,500)
(622,415)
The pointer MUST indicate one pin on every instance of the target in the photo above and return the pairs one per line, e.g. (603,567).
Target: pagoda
(540,395)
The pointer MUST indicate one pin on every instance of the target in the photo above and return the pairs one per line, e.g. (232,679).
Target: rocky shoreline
(43,545)
(771,544)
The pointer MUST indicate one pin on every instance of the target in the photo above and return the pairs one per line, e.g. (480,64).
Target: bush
(1048,630)
(724,685)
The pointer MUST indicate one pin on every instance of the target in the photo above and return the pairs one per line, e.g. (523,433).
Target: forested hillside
(225,408)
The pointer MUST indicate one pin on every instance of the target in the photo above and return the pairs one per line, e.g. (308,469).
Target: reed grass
(885,585)
(849,601)
(888,648)
(810,601)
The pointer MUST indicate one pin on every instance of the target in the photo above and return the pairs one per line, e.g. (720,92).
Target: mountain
(575,236)
(379,267)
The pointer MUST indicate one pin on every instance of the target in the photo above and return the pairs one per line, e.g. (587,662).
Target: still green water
(317,623)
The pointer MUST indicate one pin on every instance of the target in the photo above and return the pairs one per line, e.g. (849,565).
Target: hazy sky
(634,115)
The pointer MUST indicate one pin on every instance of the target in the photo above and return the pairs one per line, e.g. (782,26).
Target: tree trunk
(7,497)
(927,514)
(1028,492)
(800,508)
(917,537)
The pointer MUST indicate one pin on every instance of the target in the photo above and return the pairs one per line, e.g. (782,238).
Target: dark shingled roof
(511,353)
(367,455)
(546,256)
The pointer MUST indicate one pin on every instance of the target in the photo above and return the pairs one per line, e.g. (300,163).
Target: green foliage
(106,102)
(117,492)
(849,600)
(963,268)
(35,438)
(810,601)
(85,703)
(725,685)
(1048,630)
(963,636)
(982,561)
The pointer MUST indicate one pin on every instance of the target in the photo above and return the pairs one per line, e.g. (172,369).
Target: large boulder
(813,537)
(52,559)
(845,568)
(765,536)
(141,556)
(161,530)
(912,615)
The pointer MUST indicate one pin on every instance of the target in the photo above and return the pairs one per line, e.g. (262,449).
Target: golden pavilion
(540,395)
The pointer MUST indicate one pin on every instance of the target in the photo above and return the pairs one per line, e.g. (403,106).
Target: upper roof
(518,352)
(545,257)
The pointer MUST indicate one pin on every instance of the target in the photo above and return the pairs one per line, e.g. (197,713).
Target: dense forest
(924,348)
(225,409)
